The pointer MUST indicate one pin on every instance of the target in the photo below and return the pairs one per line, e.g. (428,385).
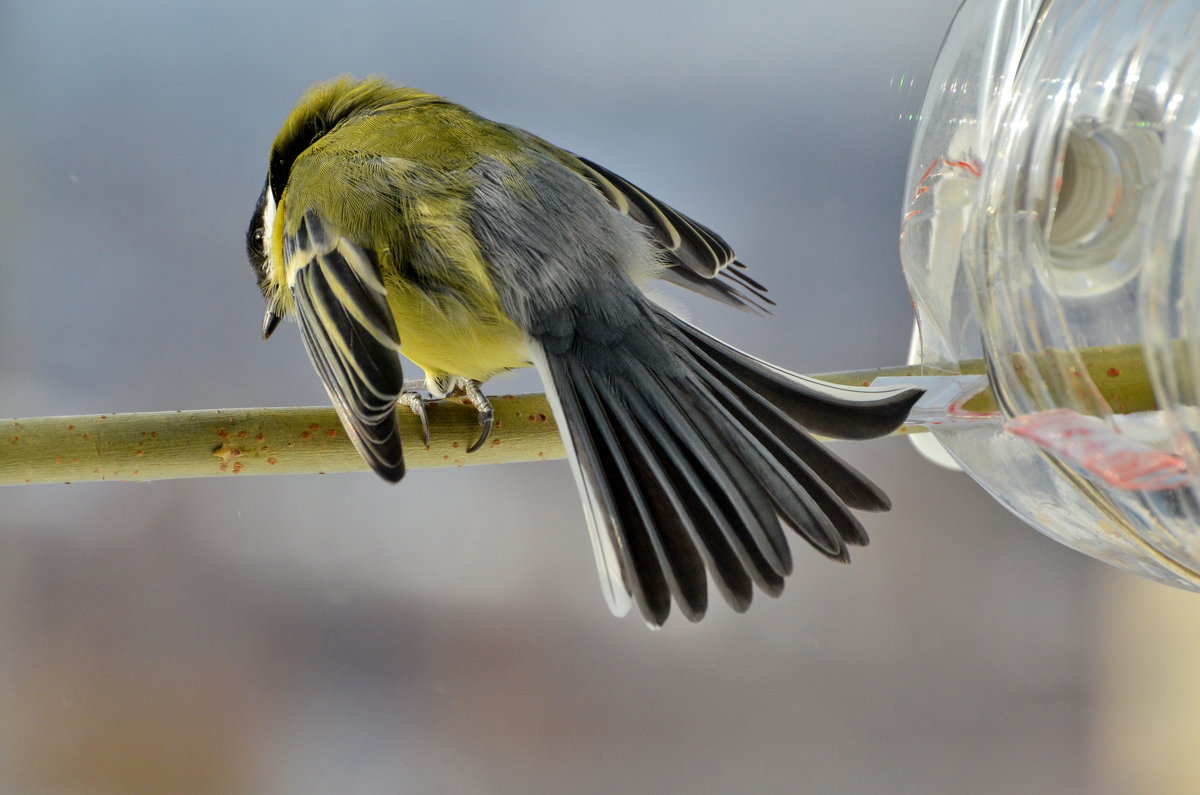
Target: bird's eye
(258,239)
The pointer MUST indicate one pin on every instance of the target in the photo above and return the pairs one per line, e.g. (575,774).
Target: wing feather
(349,333)
(695,254)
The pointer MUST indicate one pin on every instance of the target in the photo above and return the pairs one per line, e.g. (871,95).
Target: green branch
(257,441)
(265,441)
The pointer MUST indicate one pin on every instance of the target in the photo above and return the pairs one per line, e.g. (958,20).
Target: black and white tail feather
(691,458)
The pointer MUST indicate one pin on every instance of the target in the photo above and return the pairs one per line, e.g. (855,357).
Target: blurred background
(314,634)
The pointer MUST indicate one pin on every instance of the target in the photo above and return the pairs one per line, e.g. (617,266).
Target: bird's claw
(416,404)
(482,405)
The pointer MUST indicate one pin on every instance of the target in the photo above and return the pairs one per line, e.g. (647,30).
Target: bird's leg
(416,404)
(471,389)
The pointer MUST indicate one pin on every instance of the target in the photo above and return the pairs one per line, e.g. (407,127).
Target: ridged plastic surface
(1051,214)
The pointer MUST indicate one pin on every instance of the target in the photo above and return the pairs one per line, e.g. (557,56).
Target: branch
(257,441)
(268,441)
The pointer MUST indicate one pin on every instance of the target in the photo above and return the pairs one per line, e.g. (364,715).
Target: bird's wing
(695,254)
(348,330)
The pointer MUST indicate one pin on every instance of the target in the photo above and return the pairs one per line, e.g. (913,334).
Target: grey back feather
(551,239)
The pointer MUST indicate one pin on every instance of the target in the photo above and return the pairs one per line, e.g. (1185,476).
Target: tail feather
(650,513)
(715,520)
(611,551)
(662,507)
(742,507)
(617,515)
(765,473)
(810,462)
(690,459)
(656,493)
(782,439)
(828,409)
(724,555)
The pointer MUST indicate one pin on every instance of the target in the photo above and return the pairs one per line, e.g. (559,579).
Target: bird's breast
(456,331)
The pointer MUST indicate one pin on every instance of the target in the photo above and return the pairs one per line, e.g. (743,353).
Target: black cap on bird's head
(256,252)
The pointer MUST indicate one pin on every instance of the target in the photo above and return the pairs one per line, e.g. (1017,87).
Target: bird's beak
(270,321)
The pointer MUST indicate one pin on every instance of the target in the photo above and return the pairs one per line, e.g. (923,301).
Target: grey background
(323,634)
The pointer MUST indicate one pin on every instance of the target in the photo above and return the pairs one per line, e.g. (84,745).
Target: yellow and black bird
(393,221)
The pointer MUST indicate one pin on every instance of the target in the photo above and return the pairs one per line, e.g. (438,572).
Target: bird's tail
(691,456)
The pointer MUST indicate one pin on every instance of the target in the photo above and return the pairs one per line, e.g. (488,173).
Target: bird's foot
(471,389)
(416,404)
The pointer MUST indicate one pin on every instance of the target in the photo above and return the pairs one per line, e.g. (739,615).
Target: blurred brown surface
(179,640)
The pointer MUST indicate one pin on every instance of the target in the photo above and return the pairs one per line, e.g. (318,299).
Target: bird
(396,221)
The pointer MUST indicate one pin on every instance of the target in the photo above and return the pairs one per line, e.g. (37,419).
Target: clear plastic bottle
(1052,229)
